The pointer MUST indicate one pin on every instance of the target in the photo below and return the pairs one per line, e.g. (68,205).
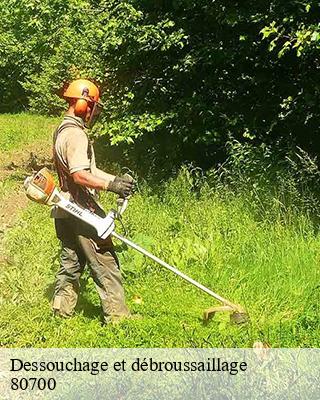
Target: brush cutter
(41,188)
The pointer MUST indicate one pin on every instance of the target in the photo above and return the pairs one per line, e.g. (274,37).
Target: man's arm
(120,186)
(103,175)
(79,164)
(85,178)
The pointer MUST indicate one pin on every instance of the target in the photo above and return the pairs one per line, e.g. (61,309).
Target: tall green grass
(18,130)
(270,268)
(256,245)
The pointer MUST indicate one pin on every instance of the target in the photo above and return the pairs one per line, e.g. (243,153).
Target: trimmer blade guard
(237,316)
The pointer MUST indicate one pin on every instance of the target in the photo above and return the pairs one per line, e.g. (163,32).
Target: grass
(270,266)
(19,130)
(20,133)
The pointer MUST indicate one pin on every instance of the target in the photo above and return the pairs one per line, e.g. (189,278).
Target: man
(80,179)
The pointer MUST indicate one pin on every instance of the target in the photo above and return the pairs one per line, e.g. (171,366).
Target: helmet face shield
(95,112)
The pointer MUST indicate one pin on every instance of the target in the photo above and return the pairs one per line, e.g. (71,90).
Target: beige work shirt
(72,146)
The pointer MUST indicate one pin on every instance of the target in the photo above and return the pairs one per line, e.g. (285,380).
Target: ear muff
(80,108)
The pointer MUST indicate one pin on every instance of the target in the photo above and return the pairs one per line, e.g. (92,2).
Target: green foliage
(295,29)
(184,72)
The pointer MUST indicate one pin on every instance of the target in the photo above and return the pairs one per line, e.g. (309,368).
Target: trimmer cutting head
(237,314)
(239,318)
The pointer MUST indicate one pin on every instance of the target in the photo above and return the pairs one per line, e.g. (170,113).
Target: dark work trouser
(81,246)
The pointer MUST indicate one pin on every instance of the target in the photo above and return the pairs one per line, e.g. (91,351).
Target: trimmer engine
(40,187)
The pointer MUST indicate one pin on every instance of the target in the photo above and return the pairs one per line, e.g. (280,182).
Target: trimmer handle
(122,203)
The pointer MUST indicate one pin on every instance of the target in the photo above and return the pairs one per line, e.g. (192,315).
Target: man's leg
(107,277)
(72,262)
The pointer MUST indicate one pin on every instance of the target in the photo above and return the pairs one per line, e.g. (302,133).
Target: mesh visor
(96,110)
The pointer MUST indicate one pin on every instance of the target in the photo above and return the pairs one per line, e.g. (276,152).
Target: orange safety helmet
(87,95)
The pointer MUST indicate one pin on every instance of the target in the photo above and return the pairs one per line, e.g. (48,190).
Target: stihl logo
(74,209)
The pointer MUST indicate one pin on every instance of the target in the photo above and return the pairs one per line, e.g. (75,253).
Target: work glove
(121,186)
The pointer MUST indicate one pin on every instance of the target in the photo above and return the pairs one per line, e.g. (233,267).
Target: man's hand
(121,186)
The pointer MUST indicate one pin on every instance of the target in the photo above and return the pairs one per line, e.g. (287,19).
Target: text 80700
(33,384)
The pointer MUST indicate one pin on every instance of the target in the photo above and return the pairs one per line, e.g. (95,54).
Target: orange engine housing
(44,181)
